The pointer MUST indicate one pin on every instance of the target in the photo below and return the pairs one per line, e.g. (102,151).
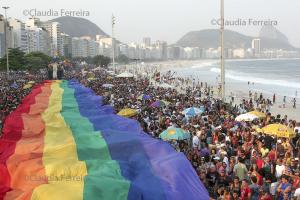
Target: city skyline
(169,21)
(48,37)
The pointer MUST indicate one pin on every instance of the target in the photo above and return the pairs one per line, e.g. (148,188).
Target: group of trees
(34,61)
(101,60)
(18,60)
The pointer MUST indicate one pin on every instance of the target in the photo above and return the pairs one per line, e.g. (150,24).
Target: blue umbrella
(14,85)
(174,134)
(108,85)
(144,97)
(192,112)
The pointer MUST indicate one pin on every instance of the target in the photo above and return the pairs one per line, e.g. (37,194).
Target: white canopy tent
(125,75)
(165,85)
(246,117)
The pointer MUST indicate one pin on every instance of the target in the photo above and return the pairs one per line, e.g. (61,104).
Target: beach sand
(239,90)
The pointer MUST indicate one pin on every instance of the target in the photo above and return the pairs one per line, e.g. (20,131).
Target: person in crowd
(254,188)
(284,188)
(240,169)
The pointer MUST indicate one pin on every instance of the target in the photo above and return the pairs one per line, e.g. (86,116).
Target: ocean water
(279,76)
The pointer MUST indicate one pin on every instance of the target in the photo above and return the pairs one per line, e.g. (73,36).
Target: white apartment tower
(256,46)
(38,38)
(147,41)
(19,34)
(9,35)
(54,30)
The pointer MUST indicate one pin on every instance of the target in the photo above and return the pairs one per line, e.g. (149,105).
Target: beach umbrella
(91,79)
(112,73)
(27,86)
(128,112)
(246,117)
(192,111)
(125,75)
(159,103)
(14,85)
(107,85)
(96,69)
(144,97)
(258,114)
(165,85)
(31,82)
(257,129)
(279,130)
(174,134)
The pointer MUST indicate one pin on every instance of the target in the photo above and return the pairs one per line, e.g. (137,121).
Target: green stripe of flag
(104,179)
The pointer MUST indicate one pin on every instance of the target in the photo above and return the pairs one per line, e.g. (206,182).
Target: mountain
(210,38)
(77,27)
(270,32)
(271,38)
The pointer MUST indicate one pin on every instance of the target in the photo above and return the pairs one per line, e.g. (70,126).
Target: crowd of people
(232,159)
(12,91)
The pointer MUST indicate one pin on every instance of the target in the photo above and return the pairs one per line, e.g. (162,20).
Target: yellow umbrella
(166,102)
(31,82)
(27,86)
(91,75)
(257,129)
(128,112)
(279,130)
(91,79)
(258,114)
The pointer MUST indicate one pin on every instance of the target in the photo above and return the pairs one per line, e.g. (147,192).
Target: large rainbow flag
(62,143)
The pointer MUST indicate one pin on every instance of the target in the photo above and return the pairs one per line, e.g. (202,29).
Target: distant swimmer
(274,98)
(294,103)
(284,101)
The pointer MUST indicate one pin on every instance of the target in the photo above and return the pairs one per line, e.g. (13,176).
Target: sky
(169,20)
